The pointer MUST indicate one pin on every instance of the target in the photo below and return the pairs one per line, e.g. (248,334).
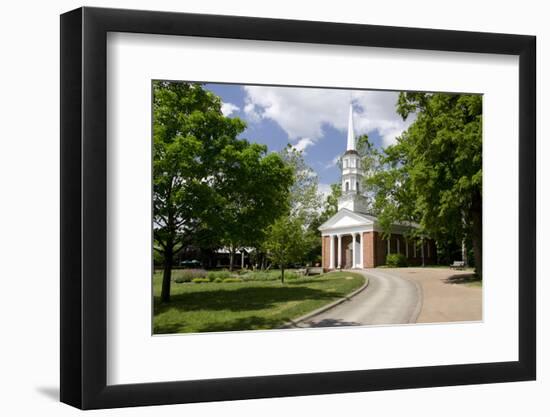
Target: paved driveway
(444,298)
(388,299)
(405,295)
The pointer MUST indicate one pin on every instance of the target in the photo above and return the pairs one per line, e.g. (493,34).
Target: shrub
(396,260)
(200,280)
(218,280)
(187,275)
(212,275)
(232,280)
(261,276)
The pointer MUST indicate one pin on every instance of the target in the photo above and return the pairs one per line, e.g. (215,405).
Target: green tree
(330,206)
(433,174)
(285,241)
(304,196)
(305,203)
(189,132)
(207,182)
(254,190)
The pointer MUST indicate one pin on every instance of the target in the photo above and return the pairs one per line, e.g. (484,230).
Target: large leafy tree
(433,174)
(305,203)
(253,191)
(201,170)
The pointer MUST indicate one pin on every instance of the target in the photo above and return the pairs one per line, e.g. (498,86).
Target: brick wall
(325,252)
(368,250)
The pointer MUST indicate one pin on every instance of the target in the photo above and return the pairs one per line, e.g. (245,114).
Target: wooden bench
(457,265)
(314,270)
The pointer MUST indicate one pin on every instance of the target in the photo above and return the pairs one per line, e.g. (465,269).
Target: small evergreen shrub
(218,280)
(200,280)
(396,260)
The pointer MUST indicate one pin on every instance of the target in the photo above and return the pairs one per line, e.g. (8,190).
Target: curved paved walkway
(388,299)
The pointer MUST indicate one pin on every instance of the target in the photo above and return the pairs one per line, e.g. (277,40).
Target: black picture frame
(84,207)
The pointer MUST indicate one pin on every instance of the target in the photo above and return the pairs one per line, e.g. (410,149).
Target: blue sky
(311,119)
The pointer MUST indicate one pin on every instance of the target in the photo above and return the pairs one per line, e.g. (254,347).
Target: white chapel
(352,237)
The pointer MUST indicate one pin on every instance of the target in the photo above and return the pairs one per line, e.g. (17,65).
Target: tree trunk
(282,274)
(477,238)
(167,274)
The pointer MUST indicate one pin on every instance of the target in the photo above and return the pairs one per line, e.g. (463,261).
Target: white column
(331,257)
(389,245)
(361,264)
(339,251)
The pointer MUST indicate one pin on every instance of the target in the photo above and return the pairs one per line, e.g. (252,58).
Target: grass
(249,305)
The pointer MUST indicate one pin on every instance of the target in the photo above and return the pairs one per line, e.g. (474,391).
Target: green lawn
(209,307)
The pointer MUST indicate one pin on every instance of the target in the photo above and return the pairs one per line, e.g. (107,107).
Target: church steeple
(352,173)
(351,134)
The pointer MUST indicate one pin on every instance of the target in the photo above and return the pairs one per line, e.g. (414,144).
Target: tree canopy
(433,174)
(204,177)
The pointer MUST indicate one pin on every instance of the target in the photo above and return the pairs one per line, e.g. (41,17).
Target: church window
(347,186)
(357,185)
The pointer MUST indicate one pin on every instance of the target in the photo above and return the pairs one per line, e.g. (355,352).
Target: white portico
(346,235)
(352,238)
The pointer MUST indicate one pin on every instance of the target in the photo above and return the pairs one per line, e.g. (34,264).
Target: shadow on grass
(242,299)
(463,279)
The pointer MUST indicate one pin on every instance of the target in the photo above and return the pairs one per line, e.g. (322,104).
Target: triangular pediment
(346,218)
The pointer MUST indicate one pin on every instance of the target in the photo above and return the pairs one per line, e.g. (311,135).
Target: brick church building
(352,238)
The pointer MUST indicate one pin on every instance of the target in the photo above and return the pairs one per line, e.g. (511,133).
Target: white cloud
(303,112)
(333,162)
(251,112)
(303,144)
(229,108)
(375,111)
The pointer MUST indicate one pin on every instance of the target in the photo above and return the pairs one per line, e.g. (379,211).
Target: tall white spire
(351,135)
